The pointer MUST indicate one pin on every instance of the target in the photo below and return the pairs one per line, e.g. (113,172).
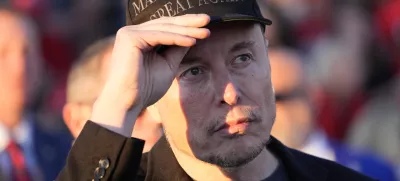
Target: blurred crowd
(335,69)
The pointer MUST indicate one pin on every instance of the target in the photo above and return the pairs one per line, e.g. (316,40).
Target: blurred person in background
(381,114)
(296,124)
(377,127)
(66,27)
(387,23)
(337,63)
(339,77)
(309,18)
(281,33)
(28,151)
(333,38)
(85,82)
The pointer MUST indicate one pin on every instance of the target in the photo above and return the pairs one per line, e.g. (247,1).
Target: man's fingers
(174,56)
(192,20)
(199,33)
(152,38)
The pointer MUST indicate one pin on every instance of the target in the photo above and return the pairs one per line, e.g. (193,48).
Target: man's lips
(233,126)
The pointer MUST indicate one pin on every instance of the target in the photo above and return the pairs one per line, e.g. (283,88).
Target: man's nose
(231,94)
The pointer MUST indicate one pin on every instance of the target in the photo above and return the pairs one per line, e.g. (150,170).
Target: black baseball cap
(140,11)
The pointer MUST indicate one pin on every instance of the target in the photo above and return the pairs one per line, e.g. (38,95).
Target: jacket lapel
(299,167)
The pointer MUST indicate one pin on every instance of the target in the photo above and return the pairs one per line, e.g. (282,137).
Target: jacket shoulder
(335,170)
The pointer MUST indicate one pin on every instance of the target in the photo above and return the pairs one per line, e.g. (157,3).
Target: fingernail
(208,32)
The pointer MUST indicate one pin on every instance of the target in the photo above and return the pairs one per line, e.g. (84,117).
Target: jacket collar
(297,166)
(161,163)
(21,134)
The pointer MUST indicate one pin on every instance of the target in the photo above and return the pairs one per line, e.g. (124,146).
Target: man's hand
(139,76)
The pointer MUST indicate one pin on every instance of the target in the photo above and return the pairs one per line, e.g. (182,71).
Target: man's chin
(235,158)
(235,153)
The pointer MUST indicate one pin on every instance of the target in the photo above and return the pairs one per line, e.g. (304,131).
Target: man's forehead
(224,36)
(13,30)
(287,71)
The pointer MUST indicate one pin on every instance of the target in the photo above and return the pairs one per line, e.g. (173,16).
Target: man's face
(294,121)
(78,111)
(220,108)
(13,56)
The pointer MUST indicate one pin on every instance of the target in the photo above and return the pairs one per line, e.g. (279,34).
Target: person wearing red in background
(387,21)
(28,150)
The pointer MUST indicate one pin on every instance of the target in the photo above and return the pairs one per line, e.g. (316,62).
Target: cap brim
(228,18)
(239,17)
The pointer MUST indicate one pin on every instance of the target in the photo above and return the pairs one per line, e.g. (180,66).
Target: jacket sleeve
(100,154)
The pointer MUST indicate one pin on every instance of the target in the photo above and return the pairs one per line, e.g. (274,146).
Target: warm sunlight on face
(220,108)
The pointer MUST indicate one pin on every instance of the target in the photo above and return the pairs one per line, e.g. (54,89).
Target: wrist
(111,114)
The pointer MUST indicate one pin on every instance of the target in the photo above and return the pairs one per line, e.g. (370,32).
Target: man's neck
(10,119)
(258,169)
(20,132)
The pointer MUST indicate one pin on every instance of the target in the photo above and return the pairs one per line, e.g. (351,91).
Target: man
(85,82)
(295,125)
(210,86)
(28,151)
(380,115)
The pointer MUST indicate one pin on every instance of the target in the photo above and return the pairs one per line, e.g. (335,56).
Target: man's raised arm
(139,77)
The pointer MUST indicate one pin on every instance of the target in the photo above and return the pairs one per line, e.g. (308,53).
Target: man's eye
(244,58)
(192,72)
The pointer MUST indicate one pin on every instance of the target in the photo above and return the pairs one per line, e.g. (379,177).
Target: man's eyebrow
(190,60)
(241,45)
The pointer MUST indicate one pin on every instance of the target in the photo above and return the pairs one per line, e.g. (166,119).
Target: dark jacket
(51,149)
(47,151)
(125,162)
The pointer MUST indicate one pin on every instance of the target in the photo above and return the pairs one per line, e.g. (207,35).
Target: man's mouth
(234,127)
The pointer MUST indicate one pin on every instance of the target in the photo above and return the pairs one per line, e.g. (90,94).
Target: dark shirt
(279,174)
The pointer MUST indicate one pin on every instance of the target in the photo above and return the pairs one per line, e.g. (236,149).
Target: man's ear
(68,118)
(75,117)
(154,113)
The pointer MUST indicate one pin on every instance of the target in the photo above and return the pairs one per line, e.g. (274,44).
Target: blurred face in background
(294,120)
(271,32)
(18,60)
(85,83)
(338,68)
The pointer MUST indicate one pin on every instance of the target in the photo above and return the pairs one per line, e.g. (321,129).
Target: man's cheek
(195,95)
(260,70)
